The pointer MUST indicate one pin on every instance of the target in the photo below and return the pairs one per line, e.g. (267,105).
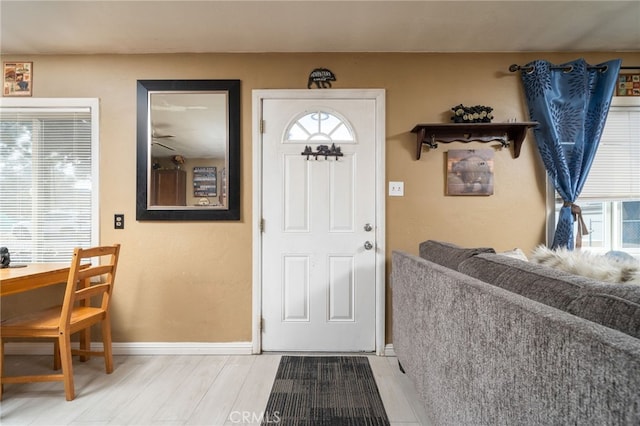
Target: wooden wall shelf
(431,134)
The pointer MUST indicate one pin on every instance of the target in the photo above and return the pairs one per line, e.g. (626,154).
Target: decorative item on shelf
(472,114)
(178,160)
(322,77)
(323,151)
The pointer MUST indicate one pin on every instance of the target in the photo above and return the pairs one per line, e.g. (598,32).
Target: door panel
(296,288)
(341,196)
(341,289)
(296,195)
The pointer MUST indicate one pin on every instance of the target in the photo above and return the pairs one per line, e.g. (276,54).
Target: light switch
(396,189)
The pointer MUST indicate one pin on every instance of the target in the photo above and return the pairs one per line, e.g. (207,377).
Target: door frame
(258,95)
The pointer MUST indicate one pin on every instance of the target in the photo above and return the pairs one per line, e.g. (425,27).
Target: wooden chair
(76,315)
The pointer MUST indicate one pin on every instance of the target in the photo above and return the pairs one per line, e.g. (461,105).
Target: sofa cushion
(516,253)
(630,292)
(612,305)
(608,310)
(447,254)
(551,287)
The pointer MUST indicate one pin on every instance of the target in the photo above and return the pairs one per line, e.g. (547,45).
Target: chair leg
(67,367)
(56,355)
(85,343)
(1,365)
(106,341)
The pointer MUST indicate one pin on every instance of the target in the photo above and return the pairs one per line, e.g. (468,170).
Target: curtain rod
(514,68)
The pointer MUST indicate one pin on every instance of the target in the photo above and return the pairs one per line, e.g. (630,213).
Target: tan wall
(192,281)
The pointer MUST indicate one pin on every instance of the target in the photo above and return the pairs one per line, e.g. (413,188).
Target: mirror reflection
(189,141)
(188,150)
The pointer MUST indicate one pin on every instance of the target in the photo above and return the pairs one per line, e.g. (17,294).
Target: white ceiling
(153,26)
(86,27)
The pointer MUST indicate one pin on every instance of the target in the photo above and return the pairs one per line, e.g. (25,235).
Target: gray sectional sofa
(492,340)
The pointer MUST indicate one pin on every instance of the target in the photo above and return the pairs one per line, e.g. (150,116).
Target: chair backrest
(88,280)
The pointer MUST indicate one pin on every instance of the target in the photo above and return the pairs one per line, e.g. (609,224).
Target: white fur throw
(599,267)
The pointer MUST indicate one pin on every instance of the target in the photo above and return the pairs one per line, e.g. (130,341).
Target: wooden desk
(32,276)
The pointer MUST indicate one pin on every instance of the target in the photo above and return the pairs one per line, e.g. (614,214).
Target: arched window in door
(320,127)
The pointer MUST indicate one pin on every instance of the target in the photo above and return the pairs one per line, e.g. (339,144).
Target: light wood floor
(175,390)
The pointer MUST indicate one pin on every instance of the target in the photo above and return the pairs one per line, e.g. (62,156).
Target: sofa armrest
(479,354)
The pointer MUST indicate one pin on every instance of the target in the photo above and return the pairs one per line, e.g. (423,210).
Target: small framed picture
(205,182)
(628,85)
(470,172)
(17,79)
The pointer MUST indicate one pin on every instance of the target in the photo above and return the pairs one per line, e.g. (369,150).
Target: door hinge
(261,225)
(261,126)
(261,325)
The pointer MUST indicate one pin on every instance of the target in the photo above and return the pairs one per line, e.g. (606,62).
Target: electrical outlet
(396,189)
(118,221)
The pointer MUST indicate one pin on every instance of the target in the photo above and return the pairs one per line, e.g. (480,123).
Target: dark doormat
(324,390)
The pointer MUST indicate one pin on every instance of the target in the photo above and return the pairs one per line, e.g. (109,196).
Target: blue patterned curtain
(571,102)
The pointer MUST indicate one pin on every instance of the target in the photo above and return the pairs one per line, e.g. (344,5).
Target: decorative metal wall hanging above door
(323,151)
(322,77)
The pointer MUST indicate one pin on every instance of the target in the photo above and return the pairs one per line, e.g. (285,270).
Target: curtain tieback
(576,212)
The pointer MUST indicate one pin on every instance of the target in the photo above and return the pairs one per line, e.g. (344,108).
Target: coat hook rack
(323,151)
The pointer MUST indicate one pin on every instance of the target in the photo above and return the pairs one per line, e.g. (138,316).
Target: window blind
(46,182)
(615,173)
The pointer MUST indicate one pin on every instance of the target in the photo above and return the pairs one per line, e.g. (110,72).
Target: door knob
(368,227)
(368,245)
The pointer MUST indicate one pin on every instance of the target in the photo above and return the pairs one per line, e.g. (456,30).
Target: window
(320,126)
(48,177)
(610,199)
(612,225)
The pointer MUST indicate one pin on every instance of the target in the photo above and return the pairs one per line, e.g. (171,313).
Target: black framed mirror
(188,150)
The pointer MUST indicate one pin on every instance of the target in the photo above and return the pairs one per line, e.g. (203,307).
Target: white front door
(321,231)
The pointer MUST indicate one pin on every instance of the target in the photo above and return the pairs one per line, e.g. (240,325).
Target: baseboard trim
(388,350)
(151,348)
(140,348)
